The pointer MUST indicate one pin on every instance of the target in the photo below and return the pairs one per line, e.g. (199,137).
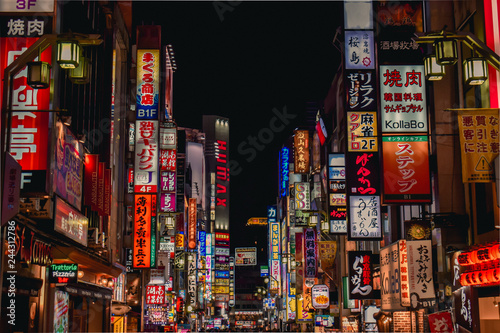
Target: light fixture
(475,71)
(68,53)
(38,74)
(495,303)
(111,283)
(266,280)
(80,274)
(433,70)
(104,281)
(446,51)
(80,74)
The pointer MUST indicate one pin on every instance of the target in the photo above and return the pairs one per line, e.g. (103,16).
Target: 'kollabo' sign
(63,273)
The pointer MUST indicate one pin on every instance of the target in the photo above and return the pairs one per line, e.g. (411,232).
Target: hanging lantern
(494,251)
(433,71)
(465,259)
(68,53)
(446,51)
(475,71)
(463,280)
(38,74)
(80,74)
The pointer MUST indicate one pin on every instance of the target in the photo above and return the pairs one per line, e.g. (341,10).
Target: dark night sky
(242,64)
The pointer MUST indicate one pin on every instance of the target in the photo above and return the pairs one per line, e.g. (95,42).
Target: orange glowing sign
(144,231)
(301,151)
(192,224)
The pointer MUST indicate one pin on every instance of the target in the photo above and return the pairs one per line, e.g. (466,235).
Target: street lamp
(475,71)
(446,51)
(433,70)
(68,53)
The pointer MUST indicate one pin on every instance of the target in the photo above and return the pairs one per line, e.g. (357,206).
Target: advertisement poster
(61,314)
(478,131)
(406,169)
(68,171)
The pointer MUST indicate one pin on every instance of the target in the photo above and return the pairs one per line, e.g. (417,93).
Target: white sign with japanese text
(364,218)
(402,99)
(359,50)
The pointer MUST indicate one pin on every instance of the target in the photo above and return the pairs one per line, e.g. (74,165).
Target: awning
(29,285)
(87,290)
(91,262)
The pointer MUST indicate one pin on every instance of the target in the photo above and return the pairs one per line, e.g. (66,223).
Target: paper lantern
(465,259)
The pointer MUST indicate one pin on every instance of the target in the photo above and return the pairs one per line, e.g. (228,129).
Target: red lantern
(465,259)
(473,276)
(494,252)
(496,274)
(463,280)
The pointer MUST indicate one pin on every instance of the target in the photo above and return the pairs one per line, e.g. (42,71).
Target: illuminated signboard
(167,202)
(168,159)
(359,50)
(402,99)
(257,221)
(168,137)
(68,171)
(362,134)
(311,256)
(144,231)
(168,181)
(406,169)
(245,256)
(284,170)
(146,156)
(148,83)
(155,294)
(403,272)
(337,193)
(202,239)
(192,223)
(63,273)
(320,294)
(29,130)
(360,275)
(71,222)
(302,196)
(363,176)
(301,151)
(275,254)
(222,180)
(361,91)
(364,217)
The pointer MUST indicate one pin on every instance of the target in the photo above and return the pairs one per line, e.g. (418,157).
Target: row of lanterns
(475,69)
(69,56)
